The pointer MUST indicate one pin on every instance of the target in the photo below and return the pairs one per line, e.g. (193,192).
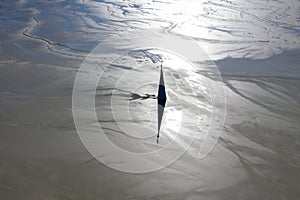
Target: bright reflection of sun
(173,119)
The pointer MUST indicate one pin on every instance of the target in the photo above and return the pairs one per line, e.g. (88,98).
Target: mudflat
(255,47)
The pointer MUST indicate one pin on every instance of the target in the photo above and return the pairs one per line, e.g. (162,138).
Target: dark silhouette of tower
(161,101)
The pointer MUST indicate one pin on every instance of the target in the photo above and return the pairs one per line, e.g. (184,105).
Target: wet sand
(41,48)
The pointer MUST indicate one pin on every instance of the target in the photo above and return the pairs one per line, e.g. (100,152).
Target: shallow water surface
(255,46)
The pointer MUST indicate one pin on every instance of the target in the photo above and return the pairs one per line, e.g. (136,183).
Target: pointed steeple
(161,100)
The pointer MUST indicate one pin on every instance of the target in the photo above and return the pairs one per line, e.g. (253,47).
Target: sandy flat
(42,46)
